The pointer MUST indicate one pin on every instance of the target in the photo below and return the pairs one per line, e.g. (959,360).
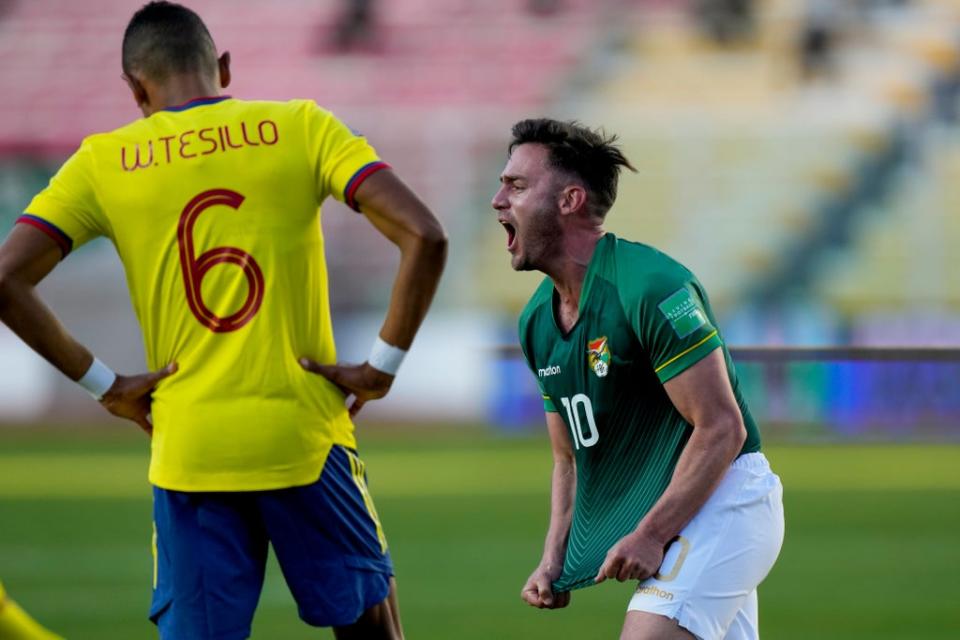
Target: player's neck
(178,90)
(569,270)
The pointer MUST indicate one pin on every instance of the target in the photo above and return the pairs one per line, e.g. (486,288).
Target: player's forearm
(562,493)
(396,211)
(30,319)
(703,463)
(422,258)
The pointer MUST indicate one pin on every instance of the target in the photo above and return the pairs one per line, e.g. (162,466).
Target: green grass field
(871,550)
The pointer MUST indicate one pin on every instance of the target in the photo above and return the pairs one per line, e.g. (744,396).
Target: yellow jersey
(213,209)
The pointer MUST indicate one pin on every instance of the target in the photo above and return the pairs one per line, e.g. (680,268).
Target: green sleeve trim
(688,357)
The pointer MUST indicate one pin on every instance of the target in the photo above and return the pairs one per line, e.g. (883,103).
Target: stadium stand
(895,261)
(732,151)
(829,199)
(441,78)
(428,56)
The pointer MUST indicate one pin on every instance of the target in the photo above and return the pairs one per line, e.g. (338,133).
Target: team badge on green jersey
(598,356)
(684,312)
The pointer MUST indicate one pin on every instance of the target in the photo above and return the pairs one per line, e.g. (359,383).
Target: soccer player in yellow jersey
(211,203)
(16,624)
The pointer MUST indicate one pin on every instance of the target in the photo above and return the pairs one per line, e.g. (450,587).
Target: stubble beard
(540,240)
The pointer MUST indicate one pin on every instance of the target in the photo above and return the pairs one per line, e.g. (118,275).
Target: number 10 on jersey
(575,406)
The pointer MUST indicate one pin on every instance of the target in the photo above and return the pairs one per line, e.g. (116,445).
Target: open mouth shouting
(511,235)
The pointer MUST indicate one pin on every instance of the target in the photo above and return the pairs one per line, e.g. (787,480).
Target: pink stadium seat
(459,54)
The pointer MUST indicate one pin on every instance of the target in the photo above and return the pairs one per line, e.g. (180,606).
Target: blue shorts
(210,550)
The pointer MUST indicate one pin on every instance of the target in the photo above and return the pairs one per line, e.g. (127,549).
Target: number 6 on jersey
(572,405)
(195,268)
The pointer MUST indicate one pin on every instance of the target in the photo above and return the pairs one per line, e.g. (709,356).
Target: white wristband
(385,357)
(98,379)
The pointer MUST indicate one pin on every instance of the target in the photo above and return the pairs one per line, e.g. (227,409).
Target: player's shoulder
(229,107)
(93,141)
(295,106)
(642,258)
(301,109)
(541,296)
(317,119)
(641,270)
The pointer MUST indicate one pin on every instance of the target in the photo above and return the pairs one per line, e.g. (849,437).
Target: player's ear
(223,64)
(573,198)
(138,91)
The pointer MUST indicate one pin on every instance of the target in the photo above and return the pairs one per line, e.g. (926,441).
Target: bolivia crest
(598,356)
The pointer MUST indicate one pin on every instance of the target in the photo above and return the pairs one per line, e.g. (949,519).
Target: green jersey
(644,318)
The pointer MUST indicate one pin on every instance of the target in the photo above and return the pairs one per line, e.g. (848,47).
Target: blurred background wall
(801,156)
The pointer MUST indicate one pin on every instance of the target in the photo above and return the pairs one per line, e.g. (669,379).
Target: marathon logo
(650,590)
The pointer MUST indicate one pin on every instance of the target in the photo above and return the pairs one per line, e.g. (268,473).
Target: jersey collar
(196,102)
(602,244)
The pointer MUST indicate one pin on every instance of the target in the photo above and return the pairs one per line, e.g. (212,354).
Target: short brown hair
(588,154)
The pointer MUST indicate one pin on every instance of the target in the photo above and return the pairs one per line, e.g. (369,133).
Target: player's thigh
(711,570)
(210,554)
(329,543)
(379,622)
(640,625)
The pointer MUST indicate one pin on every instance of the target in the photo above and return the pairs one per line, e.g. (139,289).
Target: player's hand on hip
(130,397)
(634,557)
(538,592)
(361,381)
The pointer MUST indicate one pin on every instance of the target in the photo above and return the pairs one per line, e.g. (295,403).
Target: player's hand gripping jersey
(644,319)
(212,207)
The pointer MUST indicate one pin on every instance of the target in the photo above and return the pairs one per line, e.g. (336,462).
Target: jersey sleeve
(343,158)
(548,405)
(669,317)
(68,209)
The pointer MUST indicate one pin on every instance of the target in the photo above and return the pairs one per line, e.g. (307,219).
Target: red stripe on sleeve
(62,239)
(365,172)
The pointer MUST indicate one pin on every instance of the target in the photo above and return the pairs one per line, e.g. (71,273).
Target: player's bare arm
(703,396)
(26,258)
(396,211)
(537,591)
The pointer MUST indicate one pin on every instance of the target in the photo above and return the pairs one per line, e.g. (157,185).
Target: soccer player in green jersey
(658,475)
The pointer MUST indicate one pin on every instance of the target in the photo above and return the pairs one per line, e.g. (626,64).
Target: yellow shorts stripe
(358,469)
(156,560)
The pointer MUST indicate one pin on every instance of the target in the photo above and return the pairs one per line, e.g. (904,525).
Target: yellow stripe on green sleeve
(548,405)
(688,357)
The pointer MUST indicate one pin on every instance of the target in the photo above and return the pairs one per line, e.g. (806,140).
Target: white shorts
(709,576)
